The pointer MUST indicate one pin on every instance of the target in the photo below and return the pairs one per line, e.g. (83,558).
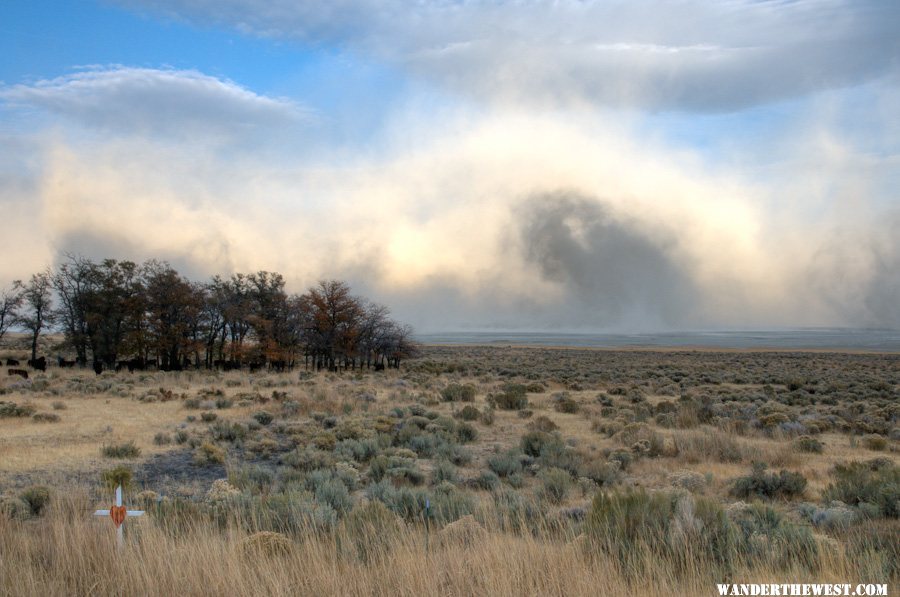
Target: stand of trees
(117,314)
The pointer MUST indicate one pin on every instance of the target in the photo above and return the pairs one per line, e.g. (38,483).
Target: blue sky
(521,164)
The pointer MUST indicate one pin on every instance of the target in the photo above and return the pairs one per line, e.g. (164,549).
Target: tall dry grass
(69,552)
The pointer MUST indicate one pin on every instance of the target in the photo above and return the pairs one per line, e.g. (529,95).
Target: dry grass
(67,553)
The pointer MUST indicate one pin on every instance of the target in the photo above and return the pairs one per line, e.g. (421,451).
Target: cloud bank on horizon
(605,165)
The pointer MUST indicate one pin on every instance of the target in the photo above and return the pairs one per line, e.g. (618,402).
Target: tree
(37,298)
(10,301)
(72,282)
(113,306)
(173,307)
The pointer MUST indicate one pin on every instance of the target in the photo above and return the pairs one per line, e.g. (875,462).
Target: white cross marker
(118,514)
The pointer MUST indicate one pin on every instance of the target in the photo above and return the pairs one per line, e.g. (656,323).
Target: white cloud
(171,103)
(511,219)
(692,55)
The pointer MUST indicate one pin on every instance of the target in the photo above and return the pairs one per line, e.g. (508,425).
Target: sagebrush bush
(458,393)
(762,484)
(208,454)
(555,484)
(370,532)
(876,484)
(263,417)
(874,442)
(809,444)
(468,413)
(37,497)
(11,409)
(533,442)
(513,397)
(127,450)
(45,418)
(677,530)
(506,463)
(564,403)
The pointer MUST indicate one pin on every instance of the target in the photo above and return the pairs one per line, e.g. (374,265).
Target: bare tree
(37,299)
(10,301)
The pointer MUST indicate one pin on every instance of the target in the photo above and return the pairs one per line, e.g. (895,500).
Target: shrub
(564,403)
(555,484)
(695,446)
(875,547)
(487,416)
(641,439)
(544,424)
(468,413)
(222,402)
(533,442)
(506,464)
(229,432)
(513,397)
(208,454)
(806,443)
(444,471)
(11,409)
(263,417)
(59,405)
(162,439)
(602,473)
(192,403)
(45,418)
(335,494)
(458,393)
(874,442)
(487,480)
(120,475)
(759,483)
(466,433)
(370,532)
(876,484)
(126,450)
(14,508)
(449,503)
(208,417)
(181,436)
(37,498)
(676,530)
(359,450)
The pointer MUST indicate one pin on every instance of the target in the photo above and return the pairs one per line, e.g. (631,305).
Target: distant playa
(880,340)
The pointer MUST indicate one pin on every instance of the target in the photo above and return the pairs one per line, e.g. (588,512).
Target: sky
(641,165)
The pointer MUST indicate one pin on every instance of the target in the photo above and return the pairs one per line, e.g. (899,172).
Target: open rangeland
(471,470)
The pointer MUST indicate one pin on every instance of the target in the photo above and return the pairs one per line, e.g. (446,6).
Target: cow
(63,363)
(98,367)
(21,372)
(39,364)
(12,363)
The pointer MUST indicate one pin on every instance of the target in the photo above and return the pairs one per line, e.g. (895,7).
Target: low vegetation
(469,471)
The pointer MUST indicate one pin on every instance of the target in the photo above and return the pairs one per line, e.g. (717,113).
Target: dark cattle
(279,366)
(135,364)
(254,366)
(231,366)
(12,363)
(39,363)
(98,367)
(379,366)
(64,363)
(21,372)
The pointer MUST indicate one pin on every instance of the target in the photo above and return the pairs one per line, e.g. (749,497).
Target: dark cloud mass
(613,270)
